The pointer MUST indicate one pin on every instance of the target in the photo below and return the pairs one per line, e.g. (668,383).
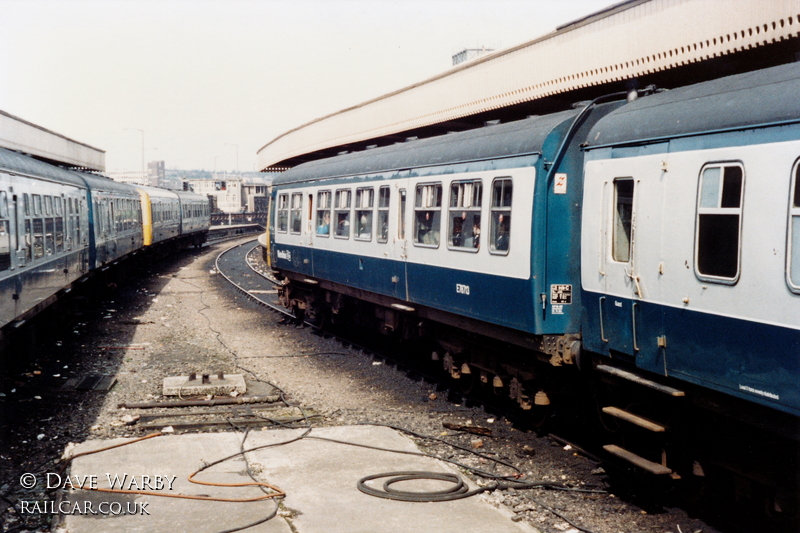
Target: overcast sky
(205,80)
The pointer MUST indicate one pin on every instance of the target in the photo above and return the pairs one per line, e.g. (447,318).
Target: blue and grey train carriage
(44,233)
(475,231)
(170,215)
(195,217)
(652,244)
(58,226)
(115,226)
(690,252)
(161,212)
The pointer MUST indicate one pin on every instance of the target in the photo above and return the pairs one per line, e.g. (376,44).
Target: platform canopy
(628,40)
(22,136)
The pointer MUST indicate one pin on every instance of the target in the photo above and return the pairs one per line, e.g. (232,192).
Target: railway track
(241,266)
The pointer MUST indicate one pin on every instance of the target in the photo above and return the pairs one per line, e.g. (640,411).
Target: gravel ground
(182,317)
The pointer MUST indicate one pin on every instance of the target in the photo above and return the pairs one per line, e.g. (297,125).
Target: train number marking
(561,294)
(462,289)
(560,184)
(285,254)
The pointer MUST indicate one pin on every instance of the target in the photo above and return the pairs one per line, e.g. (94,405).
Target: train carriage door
(635,224)
(618,305)
(399,224)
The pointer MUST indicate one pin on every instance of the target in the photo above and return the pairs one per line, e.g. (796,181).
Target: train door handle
(633,325)
(602,328)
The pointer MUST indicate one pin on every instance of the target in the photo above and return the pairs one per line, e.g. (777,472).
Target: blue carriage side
(464,229)
(691,240)
(43,233)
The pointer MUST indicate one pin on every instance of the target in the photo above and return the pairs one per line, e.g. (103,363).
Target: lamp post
(142,132)
(237,156)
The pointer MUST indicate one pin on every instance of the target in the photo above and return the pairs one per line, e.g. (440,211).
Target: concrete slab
(184,386)
(319,477)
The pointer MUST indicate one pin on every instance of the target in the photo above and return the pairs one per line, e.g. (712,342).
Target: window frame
(435,207)
(323,207)
(342,208)
(383,213)
(296,213)
(462,200)
(5,233)
(282,213)
(361,209)
(617,222)
(793,213)
(495,212)
(719,210)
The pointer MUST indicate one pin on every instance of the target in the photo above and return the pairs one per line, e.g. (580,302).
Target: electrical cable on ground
(457,491)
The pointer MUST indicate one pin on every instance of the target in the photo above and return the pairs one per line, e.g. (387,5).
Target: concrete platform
(318,476)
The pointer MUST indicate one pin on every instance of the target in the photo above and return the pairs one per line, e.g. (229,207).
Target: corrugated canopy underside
(22,136)
(625,41)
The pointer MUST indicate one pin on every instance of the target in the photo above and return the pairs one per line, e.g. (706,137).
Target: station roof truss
(629,40)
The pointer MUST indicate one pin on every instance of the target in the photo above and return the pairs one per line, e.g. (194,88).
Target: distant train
(649,247)
(58,225)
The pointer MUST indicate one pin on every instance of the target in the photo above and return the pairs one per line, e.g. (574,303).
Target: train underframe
(691,439)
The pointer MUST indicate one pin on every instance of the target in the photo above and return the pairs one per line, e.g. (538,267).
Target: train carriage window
(37,204)
(59,234)
(465,215)
(500,232)
(48,205)
(109,219)
(401,216)
(78,241)
(793,253)
(38,238)
(27,203)
(383,213)
(623,220)
(427,214)
(283,213)
(342,211)
(365,199)
(324,213)
(49,236)
(28,241)
(5,236)
(296,212)
(719,216)
(69,226)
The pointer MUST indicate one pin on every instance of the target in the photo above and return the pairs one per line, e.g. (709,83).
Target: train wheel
(468,380)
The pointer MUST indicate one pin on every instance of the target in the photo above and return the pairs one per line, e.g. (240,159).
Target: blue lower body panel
(754,361)
(489,298)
